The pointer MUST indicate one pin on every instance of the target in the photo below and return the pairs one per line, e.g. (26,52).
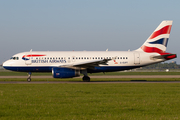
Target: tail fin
(157,42)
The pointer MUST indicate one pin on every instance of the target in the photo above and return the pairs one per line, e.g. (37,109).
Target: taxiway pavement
(105,76)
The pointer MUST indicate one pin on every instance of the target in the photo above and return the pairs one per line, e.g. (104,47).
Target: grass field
(127,101)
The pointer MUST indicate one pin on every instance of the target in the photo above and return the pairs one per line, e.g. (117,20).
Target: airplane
(69,64)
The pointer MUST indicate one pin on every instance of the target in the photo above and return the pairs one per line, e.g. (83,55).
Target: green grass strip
(137,101)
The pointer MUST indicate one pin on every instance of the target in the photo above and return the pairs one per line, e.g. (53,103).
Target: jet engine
(65,73)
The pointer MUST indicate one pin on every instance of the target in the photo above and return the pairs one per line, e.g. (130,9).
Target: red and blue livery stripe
(161,41)
(31,55)
(151,49)
(164,30)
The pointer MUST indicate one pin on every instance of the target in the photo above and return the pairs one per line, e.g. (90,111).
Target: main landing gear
(29,77)
(85,78)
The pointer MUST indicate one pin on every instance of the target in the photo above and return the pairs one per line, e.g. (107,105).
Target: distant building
(1,67)
(174,62)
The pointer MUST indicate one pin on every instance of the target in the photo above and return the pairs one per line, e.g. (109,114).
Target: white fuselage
(44,61)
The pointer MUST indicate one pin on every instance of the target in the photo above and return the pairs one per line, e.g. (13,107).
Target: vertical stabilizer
(157,42)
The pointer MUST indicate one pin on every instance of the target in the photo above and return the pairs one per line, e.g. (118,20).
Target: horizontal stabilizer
(165,56)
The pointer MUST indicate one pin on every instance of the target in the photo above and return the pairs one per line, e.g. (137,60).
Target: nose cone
(7,64)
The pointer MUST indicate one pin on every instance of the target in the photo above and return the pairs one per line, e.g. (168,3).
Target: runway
(92,82)
(105,76)
(81,82)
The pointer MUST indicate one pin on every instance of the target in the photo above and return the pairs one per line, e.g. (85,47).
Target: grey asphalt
(93,82)
(81,82)
(106,76)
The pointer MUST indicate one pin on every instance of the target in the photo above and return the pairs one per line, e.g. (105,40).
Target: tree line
(163,66)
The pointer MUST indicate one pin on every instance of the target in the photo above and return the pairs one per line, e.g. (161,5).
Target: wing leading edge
(88,64)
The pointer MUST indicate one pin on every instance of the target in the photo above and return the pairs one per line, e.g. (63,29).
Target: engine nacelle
(65,73)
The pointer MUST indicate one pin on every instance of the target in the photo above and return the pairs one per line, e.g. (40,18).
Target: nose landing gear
(29,77)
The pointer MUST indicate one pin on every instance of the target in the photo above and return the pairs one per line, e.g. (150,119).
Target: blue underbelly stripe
(49,69)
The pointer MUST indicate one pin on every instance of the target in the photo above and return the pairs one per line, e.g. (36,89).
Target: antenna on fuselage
(106,49)
(31,50)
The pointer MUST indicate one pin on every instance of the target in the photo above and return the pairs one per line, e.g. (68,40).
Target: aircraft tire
(29,79)
(86,79)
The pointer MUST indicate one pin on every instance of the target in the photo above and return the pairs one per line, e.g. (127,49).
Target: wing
(87,64)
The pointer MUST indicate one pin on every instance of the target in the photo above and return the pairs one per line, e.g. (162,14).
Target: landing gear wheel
(86,79)
(29,79)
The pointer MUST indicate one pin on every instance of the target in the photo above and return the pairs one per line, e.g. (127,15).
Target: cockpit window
(14,58)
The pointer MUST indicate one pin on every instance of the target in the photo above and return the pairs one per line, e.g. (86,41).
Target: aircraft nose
(6,64)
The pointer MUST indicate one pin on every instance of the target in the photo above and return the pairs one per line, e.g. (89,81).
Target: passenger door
(136,58)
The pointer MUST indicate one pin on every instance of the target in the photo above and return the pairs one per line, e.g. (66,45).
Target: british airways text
(48,61)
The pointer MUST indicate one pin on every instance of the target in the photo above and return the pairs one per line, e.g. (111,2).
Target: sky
(91,25)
